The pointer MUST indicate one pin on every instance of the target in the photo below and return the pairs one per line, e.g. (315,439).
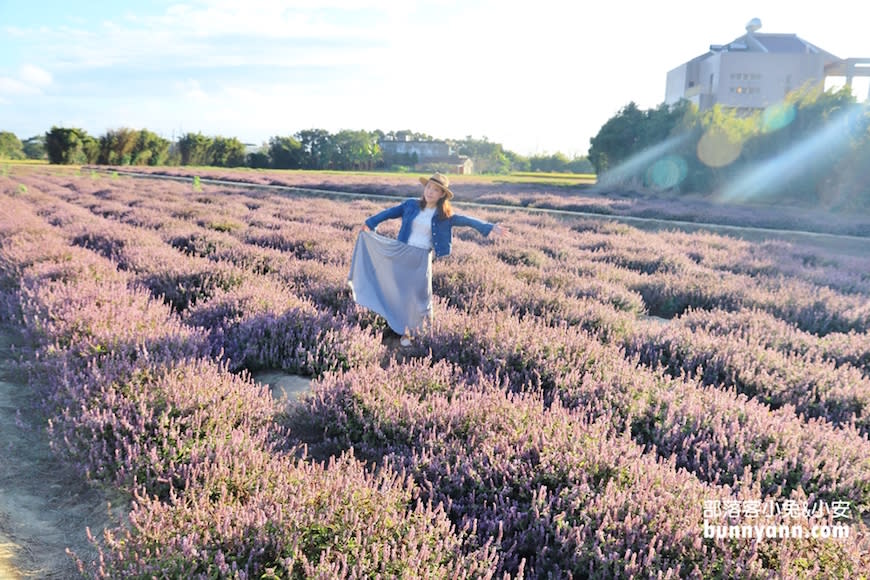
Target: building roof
(780,43)
(769,43)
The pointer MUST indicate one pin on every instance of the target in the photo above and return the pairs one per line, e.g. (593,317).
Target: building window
(745,76)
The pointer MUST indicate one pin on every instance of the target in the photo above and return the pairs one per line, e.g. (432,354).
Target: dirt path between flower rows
(44,506)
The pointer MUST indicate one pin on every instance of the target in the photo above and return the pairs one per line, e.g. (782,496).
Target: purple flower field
(585,396)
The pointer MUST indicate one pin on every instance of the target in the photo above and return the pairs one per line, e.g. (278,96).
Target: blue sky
(537,76)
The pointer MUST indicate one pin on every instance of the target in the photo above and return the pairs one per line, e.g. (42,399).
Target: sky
(538,76)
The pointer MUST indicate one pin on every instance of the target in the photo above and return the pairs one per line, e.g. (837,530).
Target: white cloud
(10,86)
(253,33)
(30,81)
(15,32)
(336,19)
(35,76)
(191,89)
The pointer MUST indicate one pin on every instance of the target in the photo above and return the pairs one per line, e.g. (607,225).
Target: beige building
(426,155)
(757,70)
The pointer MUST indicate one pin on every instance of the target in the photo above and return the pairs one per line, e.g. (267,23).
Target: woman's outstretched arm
(481,226)
(389,213)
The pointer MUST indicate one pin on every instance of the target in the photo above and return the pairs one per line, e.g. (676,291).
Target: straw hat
(441,181)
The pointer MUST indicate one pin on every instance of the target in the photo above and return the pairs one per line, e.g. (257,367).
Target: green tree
(195,149)
(617,138)
(488,157)
(150,149)
(117,145)
(285,153)
(356,149)
(318,148)
(227,152)
(518,162)
(557,163)
(34,147)
(799,120)
(581,164)
(407,135)
(633,145)
(258,159)
(71,146)
(10,146)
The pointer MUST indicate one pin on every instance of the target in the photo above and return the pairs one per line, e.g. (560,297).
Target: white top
(421,229)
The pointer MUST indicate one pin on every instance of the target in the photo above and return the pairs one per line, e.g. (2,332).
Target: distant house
(757,70)
(425,154)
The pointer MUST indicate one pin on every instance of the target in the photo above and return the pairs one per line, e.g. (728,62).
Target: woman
(394,277)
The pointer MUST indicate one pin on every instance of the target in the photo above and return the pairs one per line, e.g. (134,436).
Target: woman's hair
(445,210)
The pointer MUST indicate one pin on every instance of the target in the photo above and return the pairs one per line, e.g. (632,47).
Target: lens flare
(777,116)
(770,176)
(717,148)
(639,163)
(667,172)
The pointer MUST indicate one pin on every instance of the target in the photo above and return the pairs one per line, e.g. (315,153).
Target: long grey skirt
(393,279)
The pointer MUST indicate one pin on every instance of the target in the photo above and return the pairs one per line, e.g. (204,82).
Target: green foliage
(71,146)
(126,146)
(197,186)
(318,149)
(631,131)
(10,146)
(518,162)
(223,226)
(308,149)
(34,147)
(151,149)
(404,135)
(488,157)
(559,163)
(22,188)
(116,146)
(719,146)
(195,149)
(226,152)
(258,159)
(285,153)
(356,150)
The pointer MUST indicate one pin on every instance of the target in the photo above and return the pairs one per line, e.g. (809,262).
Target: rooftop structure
(757,70)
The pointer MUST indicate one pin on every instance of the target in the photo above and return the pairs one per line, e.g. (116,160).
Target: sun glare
(658,162)
(770,176)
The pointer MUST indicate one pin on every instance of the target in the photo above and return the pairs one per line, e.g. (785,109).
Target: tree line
(307,149)
(668,147)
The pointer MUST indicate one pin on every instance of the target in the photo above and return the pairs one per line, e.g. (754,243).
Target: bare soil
(283,386)
(45,507)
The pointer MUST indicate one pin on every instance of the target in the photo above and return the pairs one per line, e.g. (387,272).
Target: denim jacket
(442,229)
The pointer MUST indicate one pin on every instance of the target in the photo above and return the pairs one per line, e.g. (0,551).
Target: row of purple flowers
(133,399)
(525,319)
